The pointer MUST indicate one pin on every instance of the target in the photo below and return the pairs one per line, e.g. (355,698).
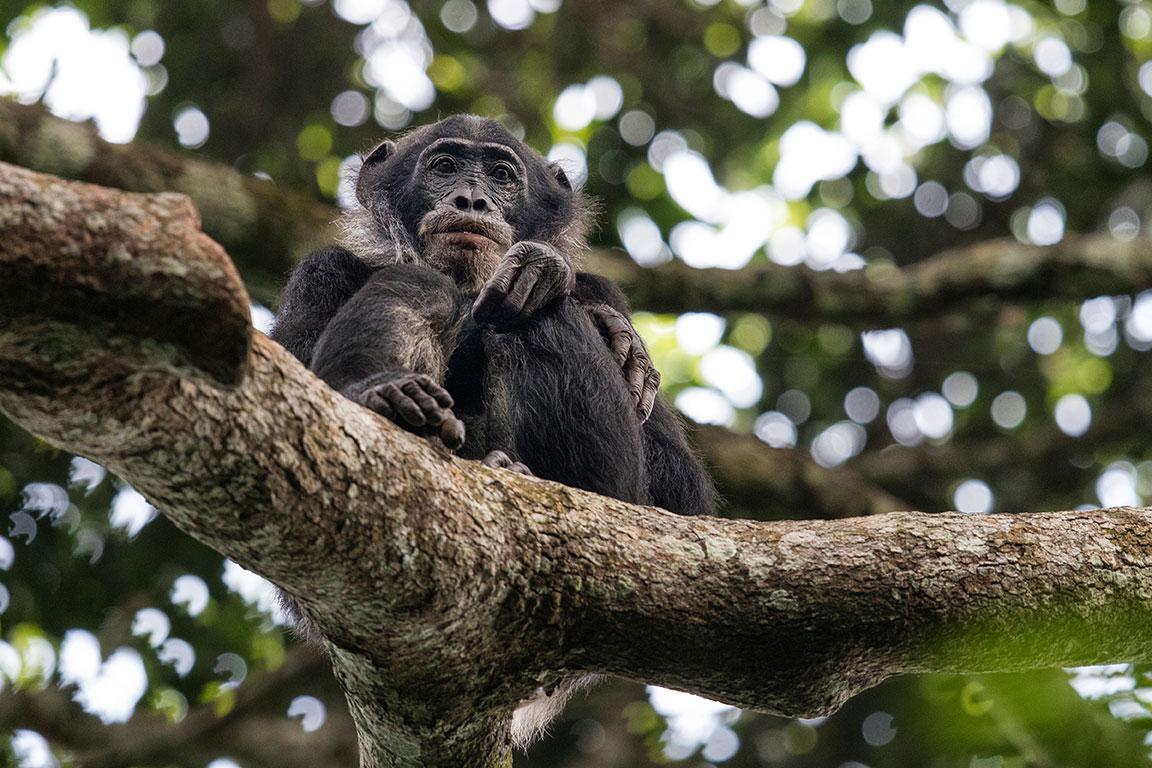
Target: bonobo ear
(559,175)
(382,152)
(377,156)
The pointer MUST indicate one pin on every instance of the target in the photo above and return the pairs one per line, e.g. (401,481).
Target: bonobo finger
(372,400)
(621,339)
(495,290)
(496,459)
(513,306)
(431,387)
(547,289)
(648,397)
(432,411)
(635,373)
(452,432)
(409,411)
(615,329)
(500,460)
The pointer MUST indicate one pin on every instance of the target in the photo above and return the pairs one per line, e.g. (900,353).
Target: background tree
(815,146)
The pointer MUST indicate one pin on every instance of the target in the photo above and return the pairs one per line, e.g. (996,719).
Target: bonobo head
(456,195)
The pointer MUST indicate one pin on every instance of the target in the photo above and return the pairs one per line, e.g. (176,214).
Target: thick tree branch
(264,225)
(447,591)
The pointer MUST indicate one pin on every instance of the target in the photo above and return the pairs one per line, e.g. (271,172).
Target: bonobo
(455,309)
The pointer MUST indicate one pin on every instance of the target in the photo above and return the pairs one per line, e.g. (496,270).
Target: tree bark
(265,225)
(445,591)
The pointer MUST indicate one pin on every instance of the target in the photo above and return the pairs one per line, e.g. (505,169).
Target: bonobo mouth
(464,230)
(464,238)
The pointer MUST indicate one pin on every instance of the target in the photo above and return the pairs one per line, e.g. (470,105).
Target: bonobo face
(468,187)
(464,190)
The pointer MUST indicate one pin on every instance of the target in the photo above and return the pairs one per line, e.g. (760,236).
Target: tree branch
(446,591)
(266,226)
(996,272)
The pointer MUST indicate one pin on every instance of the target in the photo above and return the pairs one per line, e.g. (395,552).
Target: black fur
(394,324)
(547,393)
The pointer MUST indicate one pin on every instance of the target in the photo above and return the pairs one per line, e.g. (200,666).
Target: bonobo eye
(444,165)
(503,173)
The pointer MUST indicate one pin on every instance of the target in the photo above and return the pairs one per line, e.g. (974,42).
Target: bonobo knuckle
(520,252)
(533,251)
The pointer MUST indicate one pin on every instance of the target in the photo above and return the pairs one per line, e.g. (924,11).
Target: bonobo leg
(555,400)
(388,346)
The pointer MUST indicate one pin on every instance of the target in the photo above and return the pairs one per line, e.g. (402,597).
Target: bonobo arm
(555,400)
(532,276)
(677,480)
(388,346)
(319,286)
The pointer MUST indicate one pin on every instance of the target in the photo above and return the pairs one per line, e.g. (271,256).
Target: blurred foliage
(288,89)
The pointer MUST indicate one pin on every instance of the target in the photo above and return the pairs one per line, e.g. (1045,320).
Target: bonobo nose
(472,200)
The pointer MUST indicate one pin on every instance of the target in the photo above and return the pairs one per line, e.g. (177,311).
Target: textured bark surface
(447,591)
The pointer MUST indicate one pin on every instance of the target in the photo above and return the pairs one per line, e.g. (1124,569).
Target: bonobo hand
(528,278)
(413,401)
(631,355)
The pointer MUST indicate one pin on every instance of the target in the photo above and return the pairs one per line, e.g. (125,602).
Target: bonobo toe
(501,460)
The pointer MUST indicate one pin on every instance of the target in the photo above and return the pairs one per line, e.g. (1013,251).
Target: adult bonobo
(455,310)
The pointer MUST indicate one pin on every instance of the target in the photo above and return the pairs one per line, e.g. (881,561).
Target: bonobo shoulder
(319,285)
(331,263)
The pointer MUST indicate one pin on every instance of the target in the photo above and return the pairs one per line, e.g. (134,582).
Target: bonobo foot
(502,460)
(417,403)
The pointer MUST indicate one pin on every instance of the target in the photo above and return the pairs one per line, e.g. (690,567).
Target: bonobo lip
(466,229)
(466,226)
(465,238)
